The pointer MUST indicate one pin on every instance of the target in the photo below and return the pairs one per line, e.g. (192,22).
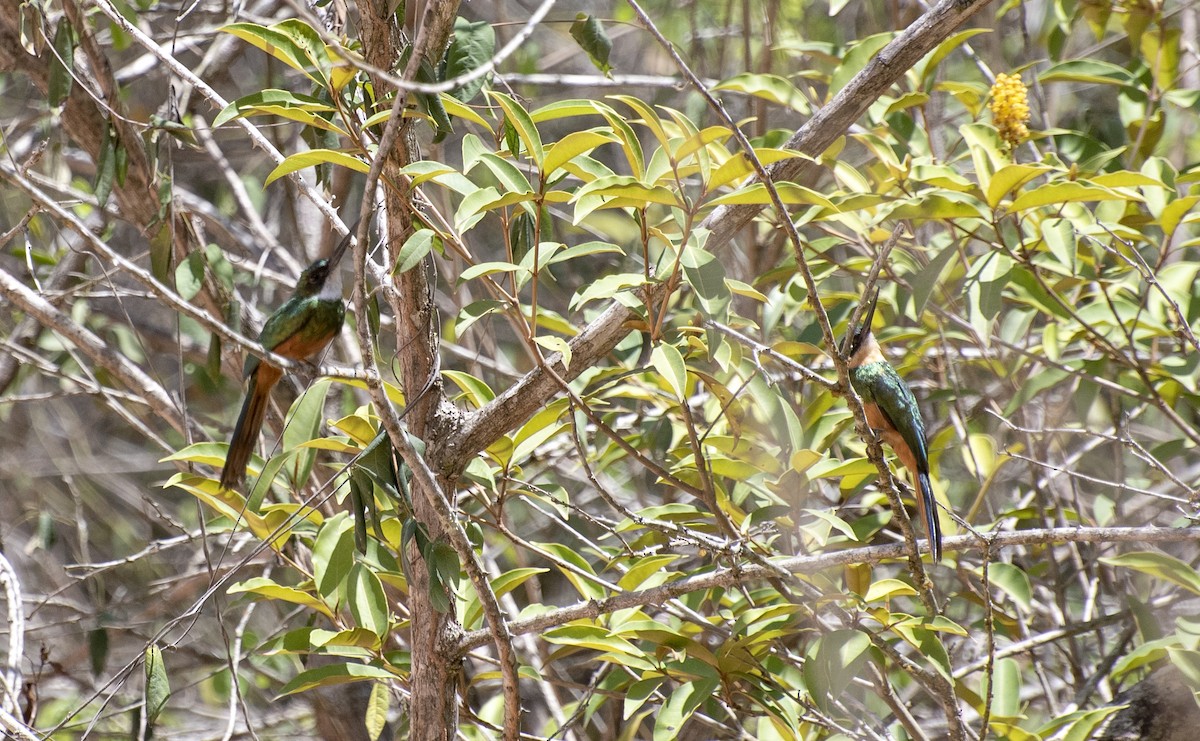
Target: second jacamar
(892,411)
(304,326)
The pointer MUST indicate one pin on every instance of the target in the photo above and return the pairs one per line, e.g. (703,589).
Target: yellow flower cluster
(1010,108)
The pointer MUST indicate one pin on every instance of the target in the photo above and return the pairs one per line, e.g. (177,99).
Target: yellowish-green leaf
(768,87)
(556,344)
(1158,565)
(886,589)
(1008,179)
(572,145)
(265,587)
(1063,192)
(519,119)
(670,367)
(314,157)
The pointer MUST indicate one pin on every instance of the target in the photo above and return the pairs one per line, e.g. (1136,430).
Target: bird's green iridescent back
(879,383)
(307,320)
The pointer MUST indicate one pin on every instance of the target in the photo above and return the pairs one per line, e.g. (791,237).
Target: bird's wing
(897,403)
(279,326)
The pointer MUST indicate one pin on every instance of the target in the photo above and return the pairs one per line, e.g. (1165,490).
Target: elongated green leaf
(670,367)
(768,87)
(314,157)
(475,389)
(1063,192)
(1158,565)
(265,587)
(270,99)
(572,145)
(329,675)
(368,603)
(333,554)
(62,64)
(1091,71)
(158,687)
(589,33)
(293,42)
(519,119)
(472,45)
(415,248)
(377,708)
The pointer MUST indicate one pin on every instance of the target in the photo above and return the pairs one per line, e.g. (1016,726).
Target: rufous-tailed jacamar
(893,413)
(304,326)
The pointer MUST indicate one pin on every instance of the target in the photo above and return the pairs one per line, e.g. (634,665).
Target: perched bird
(304,326)
(893,413)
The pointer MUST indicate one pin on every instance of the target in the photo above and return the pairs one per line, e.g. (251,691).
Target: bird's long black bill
(336,255)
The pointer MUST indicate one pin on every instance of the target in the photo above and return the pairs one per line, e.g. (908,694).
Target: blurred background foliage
(1039,300)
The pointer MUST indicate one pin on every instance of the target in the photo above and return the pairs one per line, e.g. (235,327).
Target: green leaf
(377,708)
(333,554)
(592,637)
(1158,565)
(637,694)
(579,576)
(768,87)
(1012,581)
(271,98)
(647,571)
(471,46)
(582,250)
(444,571)
(189,275)
(1079,725)
(501,586)
(738,166)
(943,50)
(303,424)
(589,33)
(886,589)
(367,601)
(314,157)
(680,706)
(476,390)
(1059,236)
(607,287)
(1063,192)
(106,165)
(574,144)
(157,687)
(669,365)
(293,42)
(706,274)
(269,589)
(512,179)
(62,64)
(1009,178)
(556,344)
(415,248)
(856,59)
(947,205)
(1089,71)
(487,268)
(1006,692)
(331,674)
(789,193)
(518,118)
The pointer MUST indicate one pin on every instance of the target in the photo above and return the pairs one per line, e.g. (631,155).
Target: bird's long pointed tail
(245,432)
(927,507)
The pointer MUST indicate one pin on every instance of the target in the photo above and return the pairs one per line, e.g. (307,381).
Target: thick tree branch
(800,565)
